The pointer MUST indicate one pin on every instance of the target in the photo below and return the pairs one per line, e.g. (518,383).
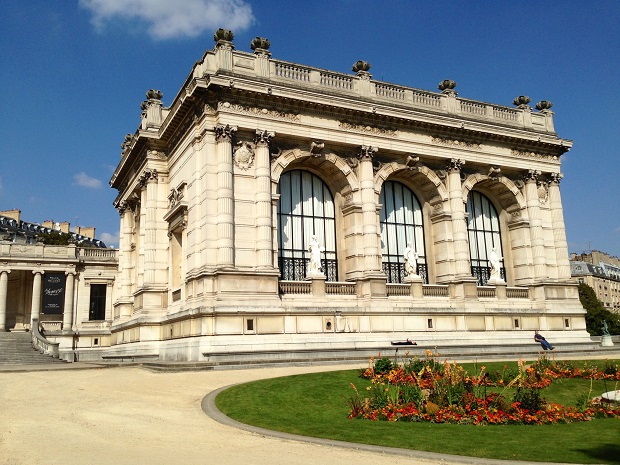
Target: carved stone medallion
(244,155)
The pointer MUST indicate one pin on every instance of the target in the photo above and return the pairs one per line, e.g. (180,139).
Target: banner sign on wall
(53,293)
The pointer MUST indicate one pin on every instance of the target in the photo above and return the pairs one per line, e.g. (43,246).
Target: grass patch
(315,405)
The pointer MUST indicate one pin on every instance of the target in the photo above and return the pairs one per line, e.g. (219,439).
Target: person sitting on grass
(543,342)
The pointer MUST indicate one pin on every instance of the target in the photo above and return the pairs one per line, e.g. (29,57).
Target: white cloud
(110,239)
(167,19)
(84,180)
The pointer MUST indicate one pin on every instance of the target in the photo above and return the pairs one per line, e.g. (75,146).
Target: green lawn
(315,405)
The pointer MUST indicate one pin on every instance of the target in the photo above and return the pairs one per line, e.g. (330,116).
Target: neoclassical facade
(270,208)
(66,290)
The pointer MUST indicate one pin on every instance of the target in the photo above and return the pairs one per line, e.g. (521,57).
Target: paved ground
(129,415)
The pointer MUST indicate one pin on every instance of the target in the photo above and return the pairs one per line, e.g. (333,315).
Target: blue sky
(73,75)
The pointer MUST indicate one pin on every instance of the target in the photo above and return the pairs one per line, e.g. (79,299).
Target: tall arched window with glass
(305,209)
(402,225)
(484,235)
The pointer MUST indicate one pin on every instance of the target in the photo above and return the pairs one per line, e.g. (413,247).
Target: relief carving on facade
(456,143)
(412,162)
(316,148)
(254,111)
(533,155)
(543,192)
(243,155)
(367,129)
(495,172)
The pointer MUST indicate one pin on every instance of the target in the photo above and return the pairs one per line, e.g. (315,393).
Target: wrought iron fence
(296,269)
(395,272)
(483,273)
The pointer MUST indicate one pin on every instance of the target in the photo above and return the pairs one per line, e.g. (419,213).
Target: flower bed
(428,390)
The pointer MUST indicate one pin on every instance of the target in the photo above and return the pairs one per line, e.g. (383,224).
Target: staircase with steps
(16,349)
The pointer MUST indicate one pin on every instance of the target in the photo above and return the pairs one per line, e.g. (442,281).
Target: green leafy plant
(383,365)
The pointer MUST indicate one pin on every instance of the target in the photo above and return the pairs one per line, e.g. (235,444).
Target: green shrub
(383,365)
(529,399)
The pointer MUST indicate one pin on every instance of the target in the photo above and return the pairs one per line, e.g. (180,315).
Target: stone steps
(16,349)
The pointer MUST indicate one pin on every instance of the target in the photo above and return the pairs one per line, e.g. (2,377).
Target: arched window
(401,224)
(484,234)
(305,208)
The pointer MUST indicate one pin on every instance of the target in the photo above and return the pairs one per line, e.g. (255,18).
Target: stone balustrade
(42,251)
(293,74)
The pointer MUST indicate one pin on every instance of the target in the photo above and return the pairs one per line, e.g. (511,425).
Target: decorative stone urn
(154,94)
(223,34)
(361,65)
(260,43)
(447,87)
(522,101)
(544,105)
(446,84)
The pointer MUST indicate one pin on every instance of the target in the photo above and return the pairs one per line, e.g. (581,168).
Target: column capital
(36,272)
(263,138)
(531,175)
(455,164)
(366,152)
(4,271)
(224,133)
(149,175)
(555,178)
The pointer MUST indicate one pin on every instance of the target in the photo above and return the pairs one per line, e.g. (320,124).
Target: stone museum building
(275,208)
(66,289)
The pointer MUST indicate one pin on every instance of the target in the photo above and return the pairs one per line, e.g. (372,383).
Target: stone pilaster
(225,196)
(559,228)
(67,317)
(459,225)
(126,267)
(536,232)
(372,263)
(264,242)
(35,308)
(4,287)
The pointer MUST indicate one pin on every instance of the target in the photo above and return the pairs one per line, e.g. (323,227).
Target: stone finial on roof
(447,87)
(223,34)
(260,43)
(544,105)
(154,94)
(522,101)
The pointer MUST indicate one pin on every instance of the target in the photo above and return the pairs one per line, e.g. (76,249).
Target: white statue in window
(315,256)
(495,265)
(411,260)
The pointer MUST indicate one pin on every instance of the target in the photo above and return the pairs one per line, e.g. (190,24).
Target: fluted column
(225,196)
(559,228)
(459,225)
(67,317)
(125,262)
(4,287)
(264,242)
(372,265)
(536,232)
(149,183)
(35,309)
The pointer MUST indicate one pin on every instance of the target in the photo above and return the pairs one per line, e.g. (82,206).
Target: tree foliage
(597,312)
(55,238)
